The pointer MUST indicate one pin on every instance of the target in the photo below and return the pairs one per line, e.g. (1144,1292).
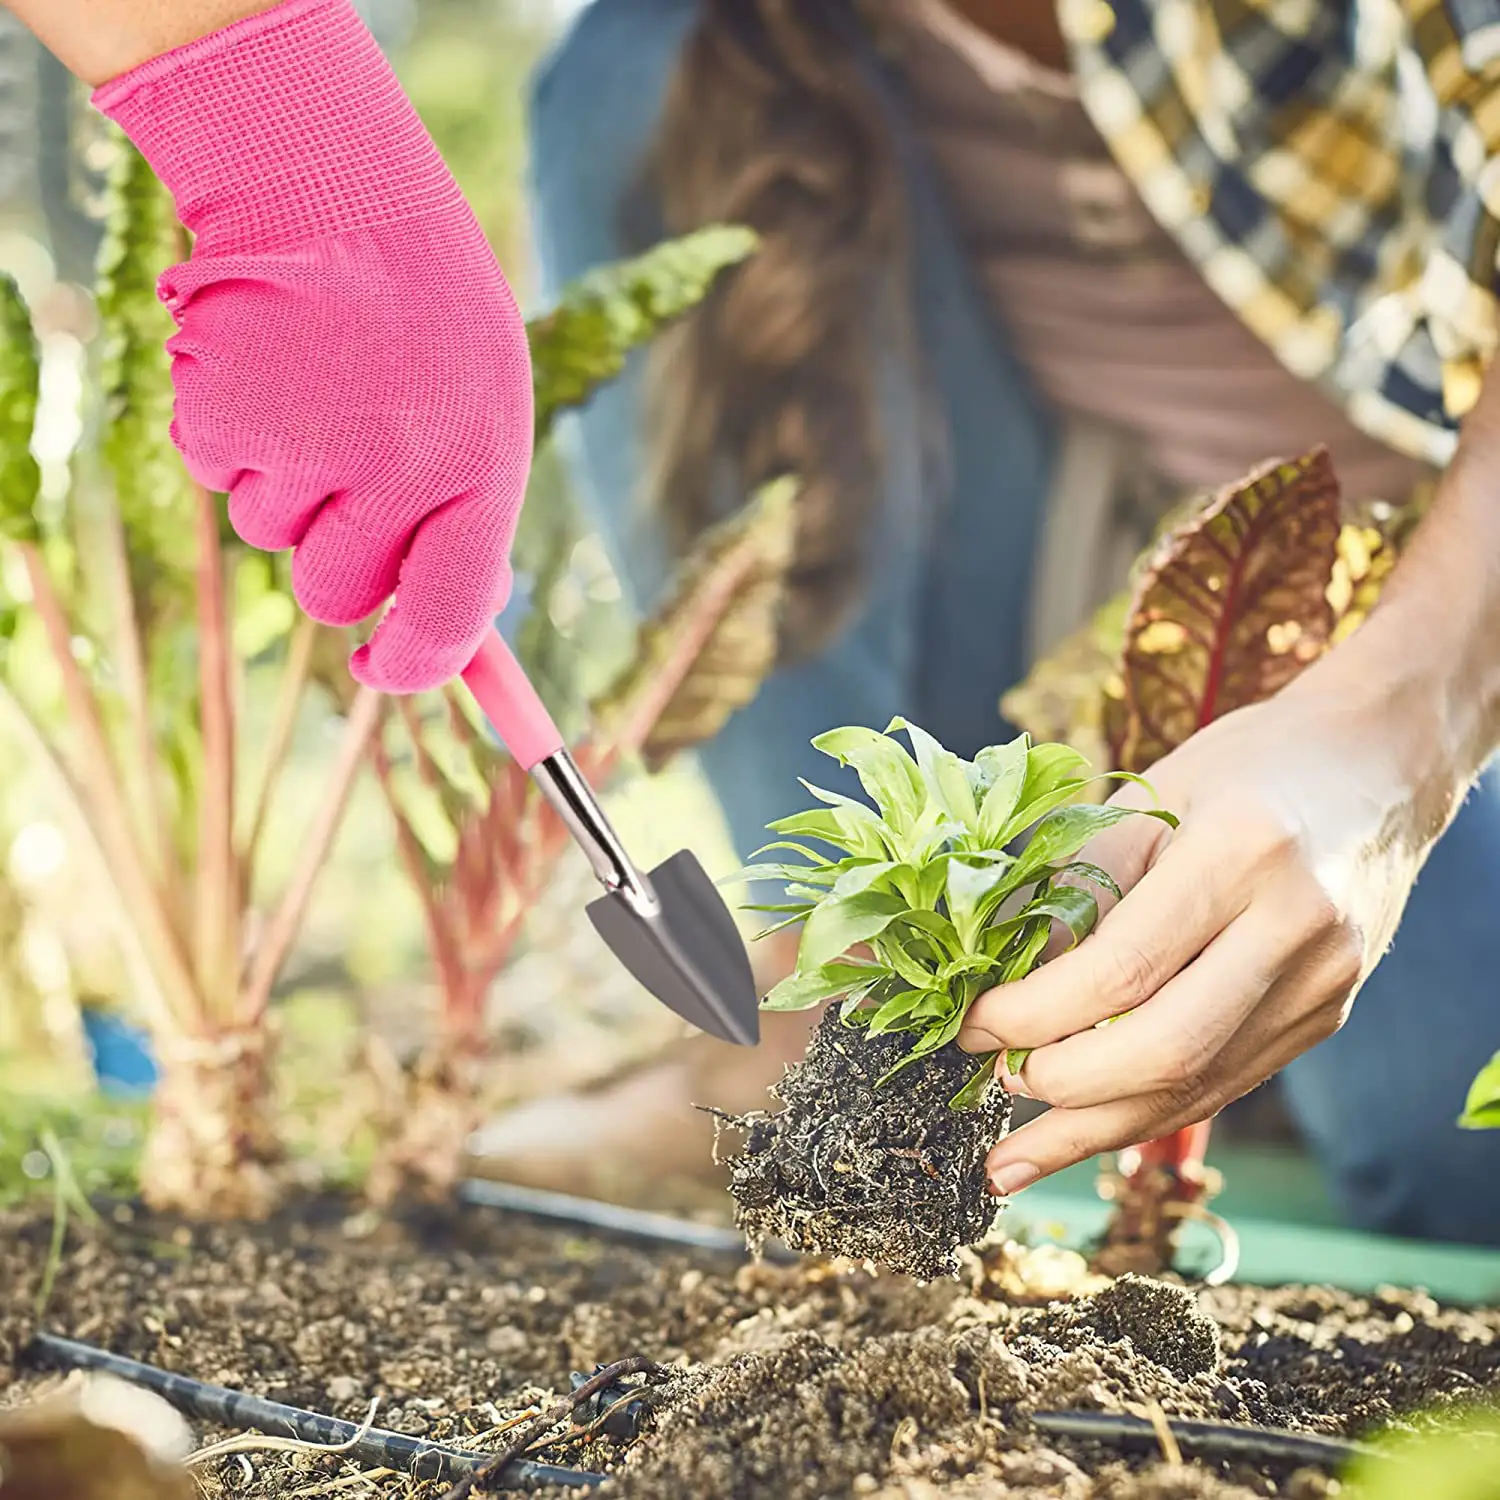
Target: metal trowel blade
(687,951)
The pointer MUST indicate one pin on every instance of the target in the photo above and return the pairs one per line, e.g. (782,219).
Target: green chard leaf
(585,340)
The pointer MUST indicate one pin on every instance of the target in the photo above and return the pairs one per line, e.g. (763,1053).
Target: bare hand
(1240,940)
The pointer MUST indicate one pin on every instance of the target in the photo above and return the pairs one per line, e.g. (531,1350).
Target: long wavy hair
(771,122)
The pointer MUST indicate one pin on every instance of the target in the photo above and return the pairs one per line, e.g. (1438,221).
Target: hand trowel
(670,927)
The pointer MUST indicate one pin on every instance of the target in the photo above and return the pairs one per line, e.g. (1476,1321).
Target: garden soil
(796,1383)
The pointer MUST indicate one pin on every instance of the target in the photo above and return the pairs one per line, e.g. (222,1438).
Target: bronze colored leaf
(97,1439)
(705,653)
(1232,606)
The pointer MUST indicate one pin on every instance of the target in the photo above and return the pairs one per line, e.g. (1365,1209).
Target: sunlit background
(361,961)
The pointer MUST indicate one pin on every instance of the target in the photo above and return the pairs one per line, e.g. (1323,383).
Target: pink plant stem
(286,921)
(217,910)
(104,798)
(295,671)
(129,655)
(1182,1152)
(631,732)
(435,914)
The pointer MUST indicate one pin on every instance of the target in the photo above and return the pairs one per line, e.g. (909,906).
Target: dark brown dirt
(796,1384)
(886,1173)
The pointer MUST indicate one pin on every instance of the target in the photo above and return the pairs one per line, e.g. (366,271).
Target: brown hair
(771,123)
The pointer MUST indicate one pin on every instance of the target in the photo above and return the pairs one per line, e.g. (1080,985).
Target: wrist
(1421,676)
(286,125)
(100,39)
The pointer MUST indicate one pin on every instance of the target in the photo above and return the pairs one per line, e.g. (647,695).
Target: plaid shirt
(1333,168)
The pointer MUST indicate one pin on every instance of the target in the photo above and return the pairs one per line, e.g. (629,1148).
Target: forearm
(100,39)
(1428,658)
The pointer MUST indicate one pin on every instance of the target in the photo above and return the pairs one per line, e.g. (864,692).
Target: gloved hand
(350,365)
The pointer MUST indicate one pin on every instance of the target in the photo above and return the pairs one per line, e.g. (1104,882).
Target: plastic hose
(236,1409)
(1261,1445)
(608,1218)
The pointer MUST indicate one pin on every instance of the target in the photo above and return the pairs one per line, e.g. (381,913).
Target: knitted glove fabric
(350,366)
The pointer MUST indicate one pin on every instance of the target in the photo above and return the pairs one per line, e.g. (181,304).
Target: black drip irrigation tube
(1228,1440)
(240,1411)
(611,1219)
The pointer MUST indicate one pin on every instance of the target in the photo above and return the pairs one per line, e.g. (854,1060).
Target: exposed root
(525,1434)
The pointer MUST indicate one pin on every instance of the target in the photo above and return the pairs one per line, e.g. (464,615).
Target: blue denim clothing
(940,635)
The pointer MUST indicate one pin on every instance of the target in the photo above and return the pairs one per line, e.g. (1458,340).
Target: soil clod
(877,1172)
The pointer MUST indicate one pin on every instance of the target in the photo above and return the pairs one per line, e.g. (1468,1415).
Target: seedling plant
(921,902)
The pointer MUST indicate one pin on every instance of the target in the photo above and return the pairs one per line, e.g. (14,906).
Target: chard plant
(922,901)
(1239,594)
(123,673)
(479,844)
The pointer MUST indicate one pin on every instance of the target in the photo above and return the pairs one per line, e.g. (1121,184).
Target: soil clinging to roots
(880,1172)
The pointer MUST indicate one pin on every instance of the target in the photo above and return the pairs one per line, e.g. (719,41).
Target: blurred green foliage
(466,70)
(20,378)
(601,318)
(1451,1454)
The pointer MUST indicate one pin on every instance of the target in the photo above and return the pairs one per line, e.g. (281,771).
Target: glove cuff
(283,127)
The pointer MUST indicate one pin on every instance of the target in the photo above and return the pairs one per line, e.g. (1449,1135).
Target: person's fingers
(1295,936)
(273,511)
(1060,1138)
(1170,1039)
(453,583)
(1176,909)
(341,573)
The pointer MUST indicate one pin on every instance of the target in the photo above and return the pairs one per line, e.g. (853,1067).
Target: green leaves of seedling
(1482,1108)
(919,904)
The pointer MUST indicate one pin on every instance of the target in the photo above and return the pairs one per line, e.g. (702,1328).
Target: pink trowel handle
(511,704)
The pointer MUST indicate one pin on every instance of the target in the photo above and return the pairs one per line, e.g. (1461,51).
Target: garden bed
(789,1381)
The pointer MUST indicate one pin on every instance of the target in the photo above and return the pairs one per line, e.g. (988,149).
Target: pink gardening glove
(350,364)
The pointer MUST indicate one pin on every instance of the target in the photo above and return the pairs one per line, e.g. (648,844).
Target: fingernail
(1012,1177)
(1012,1083)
